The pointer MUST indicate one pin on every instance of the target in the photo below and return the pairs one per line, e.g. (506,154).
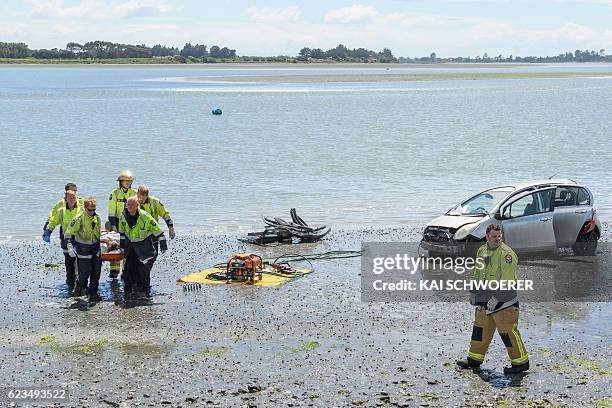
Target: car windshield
(481,204)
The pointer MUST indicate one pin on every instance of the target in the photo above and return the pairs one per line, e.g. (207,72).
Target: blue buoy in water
(217,111)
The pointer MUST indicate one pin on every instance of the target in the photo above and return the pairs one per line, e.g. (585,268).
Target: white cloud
(57,8)
(98,8)
(568,35)
(575,33)
(140,8)
(166,34)
(370,16)
(11,32)
(356,13)
(417,34)
(269,14)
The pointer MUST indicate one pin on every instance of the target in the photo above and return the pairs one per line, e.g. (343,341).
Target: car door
(527,221)
(567,215)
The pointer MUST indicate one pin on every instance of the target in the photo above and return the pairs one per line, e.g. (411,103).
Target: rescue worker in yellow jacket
(139,234)
(116,204)
(61,203)
(496,309)
(155,208)
(83,235)
(62,216)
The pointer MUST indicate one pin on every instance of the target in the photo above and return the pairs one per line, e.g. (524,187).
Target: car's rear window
(565,196)
(583,197)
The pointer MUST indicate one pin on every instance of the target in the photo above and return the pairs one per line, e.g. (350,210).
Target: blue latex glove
(47,235)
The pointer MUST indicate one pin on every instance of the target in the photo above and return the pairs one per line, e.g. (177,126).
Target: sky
(409,28)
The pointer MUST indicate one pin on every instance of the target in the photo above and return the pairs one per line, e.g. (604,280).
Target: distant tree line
(14,50)
(202,53)
(342,53)
(110,50)
(576,56)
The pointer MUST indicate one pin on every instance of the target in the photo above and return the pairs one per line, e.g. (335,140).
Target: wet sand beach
(310,342)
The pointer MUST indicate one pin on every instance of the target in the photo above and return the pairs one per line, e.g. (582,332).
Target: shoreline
(234,233)
(327,64)
(413,228)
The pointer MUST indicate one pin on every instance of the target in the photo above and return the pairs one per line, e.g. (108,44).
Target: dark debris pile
(278,230)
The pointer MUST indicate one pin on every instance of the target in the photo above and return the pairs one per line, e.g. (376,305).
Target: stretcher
(109,247)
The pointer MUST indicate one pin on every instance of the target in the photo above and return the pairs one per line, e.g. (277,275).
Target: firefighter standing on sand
(496,310)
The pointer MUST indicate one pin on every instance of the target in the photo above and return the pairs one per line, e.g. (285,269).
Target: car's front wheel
(586,245)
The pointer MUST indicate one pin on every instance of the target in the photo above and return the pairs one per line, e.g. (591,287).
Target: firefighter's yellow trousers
(505,321)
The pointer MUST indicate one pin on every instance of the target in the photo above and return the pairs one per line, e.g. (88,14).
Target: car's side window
(523,206)
(583,197)
(535,203)
(565,196)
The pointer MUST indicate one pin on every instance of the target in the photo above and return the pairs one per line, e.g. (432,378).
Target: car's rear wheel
(586,245)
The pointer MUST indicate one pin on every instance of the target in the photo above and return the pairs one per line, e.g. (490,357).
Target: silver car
(536,216)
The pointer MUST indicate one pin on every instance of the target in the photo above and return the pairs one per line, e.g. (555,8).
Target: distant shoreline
(160,61)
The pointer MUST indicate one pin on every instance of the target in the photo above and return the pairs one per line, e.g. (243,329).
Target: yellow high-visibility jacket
(116,203)
(59,204)
(156,209)
(84,233)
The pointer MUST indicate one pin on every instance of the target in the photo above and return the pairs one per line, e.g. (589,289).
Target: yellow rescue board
(272,278)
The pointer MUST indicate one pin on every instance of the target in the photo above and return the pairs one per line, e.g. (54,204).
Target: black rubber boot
(78,290)
(469,363)
(70,284)
(516,368)
(128,294)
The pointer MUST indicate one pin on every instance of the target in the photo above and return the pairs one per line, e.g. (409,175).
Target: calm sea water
(379,153)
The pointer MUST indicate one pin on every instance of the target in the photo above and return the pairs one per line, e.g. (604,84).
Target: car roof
(541,183)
